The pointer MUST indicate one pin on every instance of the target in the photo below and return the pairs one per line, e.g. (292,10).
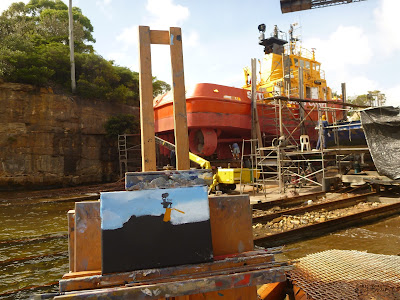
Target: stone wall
(54,140)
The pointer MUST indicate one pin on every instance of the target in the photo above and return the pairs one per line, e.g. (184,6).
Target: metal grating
(345,274)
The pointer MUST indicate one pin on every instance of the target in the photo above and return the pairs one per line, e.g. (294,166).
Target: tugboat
(219,116)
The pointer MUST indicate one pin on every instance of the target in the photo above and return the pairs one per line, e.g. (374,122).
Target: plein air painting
(155,228)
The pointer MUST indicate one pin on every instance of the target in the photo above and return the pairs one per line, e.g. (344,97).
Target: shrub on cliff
(34,50)
(121,124)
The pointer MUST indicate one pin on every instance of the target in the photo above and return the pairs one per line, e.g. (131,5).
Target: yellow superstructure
(280,70)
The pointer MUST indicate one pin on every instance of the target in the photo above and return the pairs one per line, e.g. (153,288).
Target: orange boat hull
(219,115)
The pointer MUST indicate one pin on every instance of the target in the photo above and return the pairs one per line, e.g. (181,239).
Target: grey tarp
(382,130)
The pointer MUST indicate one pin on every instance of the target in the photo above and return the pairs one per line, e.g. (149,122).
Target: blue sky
(116,208)
(356,43)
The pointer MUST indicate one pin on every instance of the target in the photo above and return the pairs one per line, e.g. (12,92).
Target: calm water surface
(19,265)
(381,238)
(19,222)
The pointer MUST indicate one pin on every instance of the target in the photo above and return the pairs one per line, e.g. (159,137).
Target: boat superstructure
(218,115)
(288,69)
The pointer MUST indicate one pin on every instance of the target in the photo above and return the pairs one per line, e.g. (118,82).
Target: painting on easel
(156,227)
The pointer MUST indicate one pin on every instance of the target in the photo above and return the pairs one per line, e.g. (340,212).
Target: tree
(45,21)
(160,87)
(121,124)
(34,37)
(373,98)
(34,50)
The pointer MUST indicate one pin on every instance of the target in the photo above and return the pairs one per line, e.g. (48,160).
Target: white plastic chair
(305,143)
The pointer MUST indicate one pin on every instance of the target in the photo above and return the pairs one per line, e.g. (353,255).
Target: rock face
(54,140)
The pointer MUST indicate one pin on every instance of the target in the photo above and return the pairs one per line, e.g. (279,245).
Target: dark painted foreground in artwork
(132,247)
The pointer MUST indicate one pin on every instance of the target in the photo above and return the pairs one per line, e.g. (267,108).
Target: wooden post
(178,86)
(87,236)
(146,101)
(232,232)
(71,239)
(344,97)
(301,105)
(174,39)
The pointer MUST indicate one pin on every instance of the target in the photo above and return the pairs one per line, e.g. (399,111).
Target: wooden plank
(159,37)
(231,224)
(272,291)
(71,239)
(221,283)
(232,232)
(146,101)
(87,236)
(178,87)
(71,281)
(81,274)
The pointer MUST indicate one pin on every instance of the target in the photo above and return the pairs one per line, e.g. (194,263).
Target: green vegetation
(373,98)
(121,124)
(35,50)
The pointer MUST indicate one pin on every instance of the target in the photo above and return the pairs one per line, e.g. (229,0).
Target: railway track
(304,231)
(333,204)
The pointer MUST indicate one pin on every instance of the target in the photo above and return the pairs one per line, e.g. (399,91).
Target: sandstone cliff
(50,140)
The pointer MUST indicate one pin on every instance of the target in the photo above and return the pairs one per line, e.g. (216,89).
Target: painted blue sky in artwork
(117,207)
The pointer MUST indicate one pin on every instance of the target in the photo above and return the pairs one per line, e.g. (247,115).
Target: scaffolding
(283,162)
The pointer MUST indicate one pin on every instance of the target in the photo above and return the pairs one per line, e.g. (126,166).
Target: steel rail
(335,204)
(318,229)
(288,201)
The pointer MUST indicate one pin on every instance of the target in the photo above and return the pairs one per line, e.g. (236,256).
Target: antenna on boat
(261,29)
(292,38)
(272,44)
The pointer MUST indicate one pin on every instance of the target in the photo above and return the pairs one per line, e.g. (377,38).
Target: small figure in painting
(166,203)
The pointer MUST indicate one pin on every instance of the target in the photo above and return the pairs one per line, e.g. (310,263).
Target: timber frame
(173,37)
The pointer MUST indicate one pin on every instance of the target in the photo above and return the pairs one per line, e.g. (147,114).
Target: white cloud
(161,15)
(191,39)
(386,18)
(128,36)
(359,85)
(165,14)
(105,7)
(392,95)
(347,46)
(340,54)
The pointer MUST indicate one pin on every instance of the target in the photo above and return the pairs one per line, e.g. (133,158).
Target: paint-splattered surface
(166,179)
(188,205)
(154,228)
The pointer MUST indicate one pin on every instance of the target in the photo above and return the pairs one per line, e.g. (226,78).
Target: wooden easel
(230,217)
(173,37)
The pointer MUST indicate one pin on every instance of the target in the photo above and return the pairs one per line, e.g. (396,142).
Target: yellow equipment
(224,178)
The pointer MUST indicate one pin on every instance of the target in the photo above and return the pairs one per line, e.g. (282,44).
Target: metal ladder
(123,155)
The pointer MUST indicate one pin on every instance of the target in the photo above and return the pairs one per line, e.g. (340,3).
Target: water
(19,222)
(21,266)
(381,238)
